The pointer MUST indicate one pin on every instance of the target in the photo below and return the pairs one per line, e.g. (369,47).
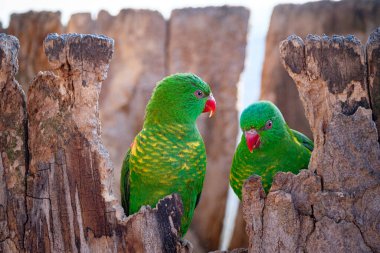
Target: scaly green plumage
(281,148)
(168,155)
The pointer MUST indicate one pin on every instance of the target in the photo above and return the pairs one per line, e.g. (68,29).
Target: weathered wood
(333,206)
(198,42)
(321,17)
(71,207)
(359,18)
(138,64)
(253,205)
(12,149)
(31,29)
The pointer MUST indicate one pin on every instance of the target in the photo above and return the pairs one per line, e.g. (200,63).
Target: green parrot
(267,146)
(168,155)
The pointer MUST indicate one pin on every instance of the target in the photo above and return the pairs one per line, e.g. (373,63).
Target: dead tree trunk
(334,205)
(12,149)
(64,203)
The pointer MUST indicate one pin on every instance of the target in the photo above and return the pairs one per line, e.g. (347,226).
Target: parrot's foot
(186,246)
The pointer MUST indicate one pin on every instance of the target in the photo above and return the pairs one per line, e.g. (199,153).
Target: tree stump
(12,149)
(58,196)
(334,205)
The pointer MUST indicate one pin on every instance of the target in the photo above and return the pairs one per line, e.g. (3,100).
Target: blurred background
(233,45)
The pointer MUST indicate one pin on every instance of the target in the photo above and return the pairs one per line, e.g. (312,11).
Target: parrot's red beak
(210,105)
(253,139)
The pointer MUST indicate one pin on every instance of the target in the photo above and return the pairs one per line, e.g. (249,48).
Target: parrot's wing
(303,139)
(124,183)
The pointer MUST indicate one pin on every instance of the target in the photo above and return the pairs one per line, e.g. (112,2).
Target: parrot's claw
(185,244)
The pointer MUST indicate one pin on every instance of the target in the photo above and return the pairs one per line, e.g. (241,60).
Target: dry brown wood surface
(334,205)
(56,195)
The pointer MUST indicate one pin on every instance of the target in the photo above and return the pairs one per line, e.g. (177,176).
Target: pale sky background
(249,87)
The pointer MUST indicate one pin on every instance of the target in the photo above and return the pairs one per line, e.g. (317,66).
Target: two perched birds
(168,155)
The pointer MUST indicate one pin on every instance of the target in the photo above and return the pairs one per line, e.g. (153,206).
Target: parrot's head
(262,124)
(180,98)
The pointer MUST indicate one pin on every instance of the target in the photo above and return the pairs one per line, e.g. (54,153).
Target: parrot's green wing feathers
(303,139)
(124,183)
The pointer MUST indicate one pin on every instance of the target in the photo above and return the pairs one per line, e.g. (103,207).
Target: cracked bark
(67,192)
(333,206)
(12,149)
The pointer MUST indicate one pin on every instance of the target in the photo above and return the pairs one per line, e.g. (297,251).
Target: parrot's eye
(268,125)
(198,94)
